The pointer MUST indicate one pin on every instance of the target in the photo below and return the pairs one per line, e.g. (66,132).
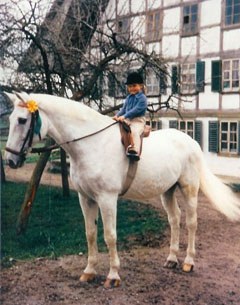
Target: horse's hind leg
(190,192)
(90,213)
(170,204)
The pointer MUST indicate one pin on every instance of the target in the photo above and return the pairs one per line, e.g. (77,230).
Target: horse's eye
(22,121)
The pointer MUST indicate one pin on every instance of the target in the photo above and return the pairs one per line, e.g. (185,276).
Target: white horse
(99,166)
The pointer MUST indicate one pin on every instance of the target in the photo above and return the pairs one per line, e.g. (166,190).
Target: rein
(54,146)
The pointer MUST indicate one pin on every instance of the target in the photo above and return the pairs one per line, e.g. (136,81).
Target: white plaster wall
(152,4)
(138,26)
(170,2)
(231,40)
(210,12)
(208,99)
(170,46)
(111,10)
(223,165)
(123,7)
(190,102)
(210,40)
(154,47)
(137,6)
(189,46)
(230,101)
(171,20)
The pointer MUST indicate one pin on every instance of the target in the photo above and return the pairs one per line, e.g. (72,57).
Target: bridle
(29,138)
(27,143)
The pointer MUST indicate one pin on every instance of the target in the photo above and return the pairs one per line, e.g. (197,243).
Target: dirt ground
(214,281)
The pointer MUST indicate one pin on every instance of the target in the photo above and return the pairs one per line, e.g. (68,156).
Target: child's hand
(121,118)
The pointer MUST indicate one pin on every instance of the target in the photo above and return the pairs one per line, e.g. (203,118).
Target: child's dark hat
(134,78)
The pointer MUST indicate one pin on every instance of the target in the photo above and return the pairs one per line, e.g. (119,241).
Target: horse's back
(167,156)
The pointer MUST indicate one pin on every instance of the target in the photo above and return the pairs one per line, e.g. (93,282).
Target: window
(190,20)
(232,12)
(224,137)
(190,127)
(188,78)
(152,83)
(155,125)
(228,141)
(116,85)
(187,127)
(153,26)
(230,74)
(123,29)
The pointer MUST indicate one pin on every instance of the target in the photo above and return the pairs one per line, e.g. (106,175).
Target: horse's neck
(68,120)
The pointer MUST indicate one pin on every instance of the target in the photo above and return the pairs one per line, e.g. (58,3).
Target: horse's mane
(69,108)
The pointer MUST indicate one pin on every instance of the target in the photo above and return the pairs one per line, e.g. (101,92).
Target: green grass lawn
(56,225)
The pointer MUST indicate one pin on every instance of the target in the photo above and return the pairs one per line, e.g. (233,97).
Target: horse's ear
(12,97)
(23,96)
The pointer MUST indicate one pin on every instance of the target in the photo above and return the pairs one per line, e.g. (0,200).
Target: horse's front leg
(108,208)
(90,213)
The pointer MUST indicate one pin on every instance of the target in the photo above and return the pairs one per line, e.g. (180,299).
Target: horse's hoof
(187,267)
(170,265)
(112,283)
(87,277)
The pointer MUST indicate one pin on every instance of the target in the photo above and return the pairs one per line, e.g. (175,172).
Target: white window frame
(188,127)
(188,78)
(229,138)
(231,75)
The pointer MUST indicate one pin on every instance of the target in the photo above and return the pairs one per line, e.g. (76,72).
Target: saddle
(127,139)
(126,135)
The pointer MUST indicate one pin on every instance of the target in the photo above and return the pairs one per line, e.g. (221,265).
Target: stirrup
(133,157)
(131,150)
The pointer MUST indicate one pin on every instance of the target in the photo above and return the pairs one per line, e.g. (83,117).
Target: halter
(29,137)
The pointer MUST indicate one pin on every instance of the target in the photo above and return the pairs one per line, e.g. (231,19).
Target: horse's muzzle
(15,165)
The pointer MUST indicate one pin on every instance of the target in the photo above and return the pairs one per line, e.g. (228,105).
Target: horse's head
(25,123)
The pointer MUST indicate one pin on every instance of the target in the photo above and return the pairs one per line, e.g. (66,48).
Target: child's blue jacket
(135,105)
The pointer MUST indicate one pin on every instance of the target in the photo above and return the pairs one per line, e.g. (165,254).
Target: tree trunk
(64,172)
(3,177)
(32,189)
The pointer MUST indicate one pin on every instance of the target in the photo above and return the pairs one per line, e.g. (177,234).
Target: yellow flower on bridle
(32,106)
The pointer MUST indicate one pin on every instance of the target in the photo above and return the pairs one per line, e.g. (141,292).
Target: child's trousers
(137,127)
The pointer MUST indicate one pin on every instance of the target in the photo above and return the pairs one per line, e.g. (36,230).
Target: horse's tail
(219,194)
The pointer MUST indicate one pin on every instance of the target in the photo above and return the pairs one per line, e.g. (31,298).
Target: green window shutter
(173,124)
(163,83)
(213,136)
(239,137)
(159,124)
(200,76)
(198,132)
(216,75)
(175,79)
